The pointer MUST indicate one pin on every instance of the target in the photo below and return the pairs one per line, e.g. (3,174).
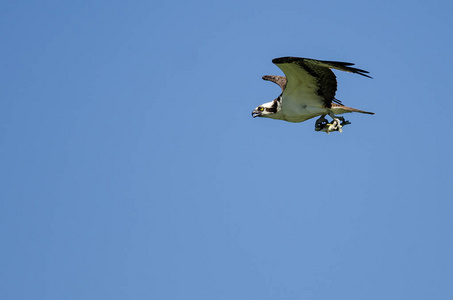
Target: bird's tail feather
(340,109)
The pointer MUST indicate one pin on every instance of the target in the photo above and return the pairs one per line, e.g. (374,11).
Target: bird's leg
(323,125)
(334,117)
(337,123)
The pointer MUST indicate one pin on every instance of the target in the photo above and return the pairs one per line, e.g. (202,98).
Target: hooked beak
(256,113)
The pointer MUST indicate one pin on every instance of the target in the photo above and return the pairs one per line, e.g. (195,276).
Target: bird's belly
(302,113)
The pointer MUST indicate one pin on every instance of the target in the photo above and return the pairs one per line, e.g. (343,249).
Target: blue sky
(130,166)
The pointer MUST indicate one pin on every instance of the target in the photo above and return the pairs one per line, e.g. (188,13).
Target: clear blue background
(131,167)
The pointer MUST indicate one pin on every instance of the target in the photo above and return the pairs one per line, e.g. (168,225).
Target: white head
(267,110)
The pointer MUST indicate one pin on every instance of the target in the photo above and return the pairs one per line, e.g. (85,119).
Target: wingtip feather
(343,66)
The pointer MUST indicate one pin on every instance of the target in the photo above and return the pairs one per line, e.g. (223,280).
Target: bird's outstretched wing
(310,81)
(280,80)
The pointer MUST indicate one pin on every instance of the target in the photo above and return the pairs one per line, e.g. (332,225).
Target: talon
(331,127)
(336,124)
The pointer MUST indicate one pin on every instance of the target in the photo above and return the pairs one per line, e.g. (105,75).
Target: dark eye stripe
(274,107)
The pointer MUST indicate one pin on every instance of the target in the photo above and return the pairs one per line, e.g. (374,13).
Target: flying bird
(308,91)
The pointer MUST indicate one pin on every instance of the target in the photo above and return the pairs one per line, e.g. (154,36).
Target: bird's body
(308,91)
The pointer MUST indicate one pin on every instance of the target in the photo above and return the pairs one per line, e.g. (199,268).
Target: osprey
(308,90)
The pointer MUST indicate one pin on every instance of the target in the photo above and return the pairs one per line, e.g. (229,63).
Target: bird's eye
(261,108)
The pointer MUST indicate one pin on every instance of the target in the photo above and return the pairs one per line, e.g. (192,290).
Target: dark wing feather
(311,80)
(342,66)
